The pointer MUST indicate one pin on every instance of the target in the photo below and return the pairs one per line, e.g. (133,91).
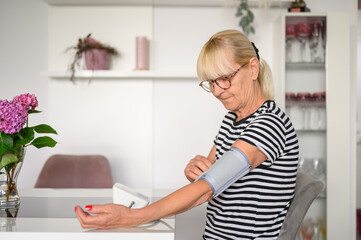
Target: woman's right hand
(196,167)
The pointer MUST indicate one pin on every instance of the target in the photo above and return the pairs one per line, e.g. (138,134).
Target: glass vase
(9,195)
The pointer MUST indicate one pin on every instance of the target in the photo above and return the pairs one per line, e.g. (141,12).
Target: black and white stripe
(254,207)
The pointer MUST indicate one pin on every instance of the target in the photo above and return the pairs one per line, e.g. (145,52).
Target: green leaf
(27,132)
(239,11)
(9,158)
(43,128)
(244,5)
(33,111)
(252,29)
(21,142)
(242,23)
(41,142)
(6,142)
(26,136)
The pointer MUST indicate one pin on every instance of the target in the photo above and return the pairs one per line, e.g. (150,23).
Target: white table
(49,214)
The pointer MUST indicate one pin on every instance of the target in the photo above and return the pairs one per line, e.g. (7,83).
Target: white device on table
(128,197)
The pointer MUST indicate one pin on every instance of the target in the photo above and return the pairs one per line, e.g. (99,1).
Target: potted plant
(15,136)
(97,55)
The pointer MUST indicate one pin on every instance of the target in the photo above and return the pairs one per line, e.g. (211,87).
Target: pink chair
(75,171)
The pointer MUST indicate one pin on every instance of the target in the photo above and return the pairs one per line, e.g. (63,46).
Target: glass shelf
(305,65)
(310,130)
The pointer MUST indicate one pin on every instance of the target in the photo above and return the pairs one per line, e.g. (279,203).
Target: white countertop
(54,217)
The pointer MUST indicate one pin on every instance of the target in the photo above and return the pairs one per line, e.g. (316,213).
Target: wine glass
(302,34)
(314,42)
(290,36)
(290,103)
(314,114)
(319,172)
(323,34)
(307,229)
(305,165)
(304,99)
(320,102)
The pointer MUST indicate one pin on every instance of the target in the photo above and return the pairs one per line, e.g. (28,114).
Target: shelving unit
(332,144)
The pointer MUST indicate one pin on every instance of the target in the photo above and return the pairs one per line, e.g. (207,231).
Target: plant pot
(9,196)
(97,59)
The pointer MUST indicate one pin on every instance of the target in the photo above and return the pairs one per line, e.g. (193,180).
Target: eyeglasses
(223,82)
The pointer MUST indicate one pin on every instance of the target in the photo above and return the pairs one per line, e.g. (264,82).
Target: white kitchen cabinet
(333,144)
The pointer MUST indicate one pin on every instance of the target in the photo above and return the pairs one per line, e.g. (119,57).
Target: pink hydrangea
(13,116)
(27,100)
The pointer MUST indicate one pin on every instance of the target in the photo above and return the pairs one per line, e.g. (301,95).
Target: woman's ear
(254,64)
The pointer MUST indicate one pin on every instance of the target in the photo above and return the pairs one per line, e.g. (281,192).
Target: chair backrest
(307,189)
(75,171)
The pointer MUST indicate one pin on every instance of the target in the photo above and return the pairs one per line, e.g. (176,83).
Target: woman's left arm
(118,216)
(254,155)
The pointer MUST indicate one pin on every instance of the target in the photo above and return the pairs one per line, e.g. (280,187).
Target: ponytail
(265,79)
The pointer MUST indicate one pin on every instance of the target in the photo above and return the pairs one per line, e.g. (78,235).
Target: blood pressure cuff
(225,171)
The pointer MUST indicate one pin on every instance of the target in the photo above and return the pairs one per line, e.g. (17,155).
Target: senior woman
(249,176)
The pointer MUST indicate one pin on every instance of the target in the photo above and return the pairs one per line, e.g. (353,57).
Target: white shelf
(113,74)
(184,3)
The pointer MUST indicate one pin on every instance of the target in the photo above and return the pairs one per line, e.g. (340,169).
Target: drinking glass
(314,42)
(323,34)
(290,36)
(290,103)
(302,34)
(318,171)
(304,100)
(307,229)
(313,111)
(320,102)
(312,229)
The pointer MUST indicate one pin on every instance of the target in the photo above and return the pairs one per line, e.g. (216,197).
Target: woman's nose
(217,90)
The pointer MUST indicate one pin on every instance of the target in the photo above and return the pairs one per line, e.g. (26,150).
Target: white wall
(176,48)
(108,117)
(179,119)
(186,117)
(23,47)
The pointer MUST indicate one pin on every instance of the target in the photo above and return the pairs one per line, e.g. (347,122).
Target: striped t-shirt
(254,207)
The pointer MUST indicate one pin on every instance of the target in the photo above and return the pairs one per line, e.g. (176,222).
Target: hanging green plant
(246,16)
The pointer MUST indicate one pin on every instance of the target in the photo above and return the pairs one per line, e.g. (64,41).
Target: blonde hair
(214,60)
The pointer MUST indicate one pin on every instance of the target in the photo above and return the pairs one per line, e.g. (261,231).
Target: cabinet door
(341,184)
(332,75)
